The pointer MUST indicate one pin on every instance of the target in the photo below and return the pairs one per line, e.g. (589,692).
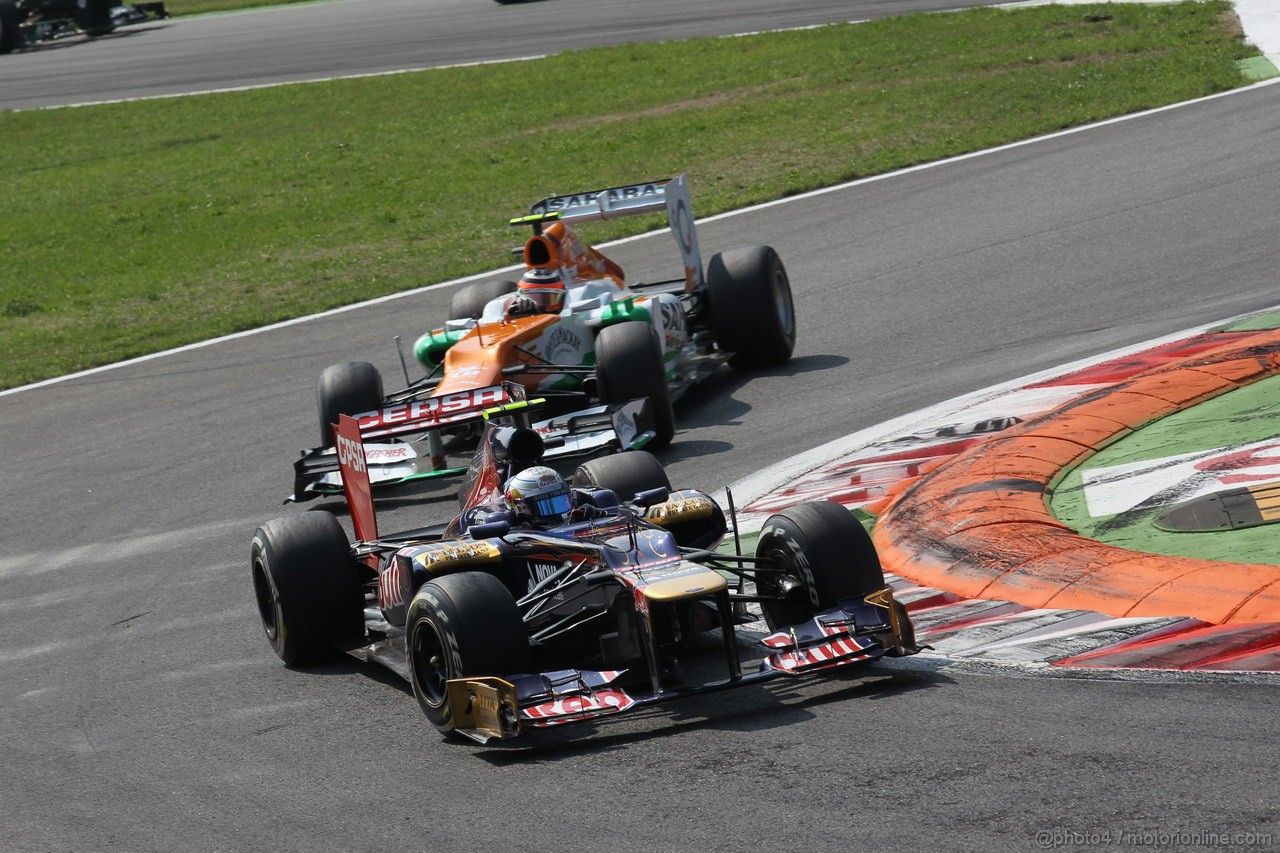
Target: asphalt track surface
(312,41)
(143,711)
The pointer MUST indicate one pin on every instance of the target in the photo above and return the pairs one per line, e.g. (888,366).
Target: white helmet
(538,493)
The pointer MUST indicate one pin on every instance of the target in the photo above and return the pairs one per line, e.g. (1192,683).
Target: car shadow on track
(744,710)
(713,403)
(756,709)
(78,38)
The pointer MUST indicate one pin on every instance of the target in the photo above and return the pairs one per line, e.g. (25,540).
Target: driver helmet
(545,287)
(538,493)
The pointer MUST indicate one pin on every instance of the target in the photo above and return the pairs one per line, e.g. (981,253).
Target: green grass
(179,8)
(1238,417)
(135,227)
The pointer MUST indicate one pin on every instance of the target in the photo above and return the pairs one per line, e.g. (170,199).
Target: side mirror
(490,529)
(649,497)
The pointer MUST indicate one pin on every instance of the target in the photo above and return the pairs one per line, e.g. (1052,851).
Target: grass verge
(135,227)
(179,8)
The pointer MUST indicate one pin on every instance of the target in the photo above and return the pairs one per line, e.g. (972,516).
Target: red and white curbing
(863,470)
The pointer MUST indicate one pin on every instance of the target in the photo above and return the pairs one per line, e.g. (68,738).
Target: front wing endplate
(483,708)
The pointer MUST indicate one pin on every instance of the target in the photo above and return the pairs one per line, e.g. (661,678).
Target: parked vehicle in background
(29,22)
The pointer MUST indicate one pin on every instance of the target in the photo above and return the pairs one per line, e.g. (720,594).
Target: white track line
(763,206)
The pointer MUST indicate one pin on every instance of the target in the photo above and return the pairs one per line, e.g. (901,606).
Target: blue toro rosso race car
(544,602)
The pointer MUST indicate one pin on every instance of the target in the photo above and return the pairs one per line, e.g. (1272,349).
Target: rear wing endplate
(355,477)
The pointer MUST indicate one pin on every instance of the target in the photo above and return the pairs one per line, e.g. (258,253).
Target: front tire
(752,313)
(468,302)
(350,388)
(820,550)
(625,474)
(10,18)
(461,625)
(629,365)
(94,17)
(308,591)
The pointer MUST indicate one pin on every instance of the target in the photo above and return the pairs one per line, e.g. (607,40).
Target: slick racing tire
(346,389)
(752,312)
(823,553)
(625,474)
(468,303)
(308,591)
(629,365)
(461,625)
(94,17)
(9,19)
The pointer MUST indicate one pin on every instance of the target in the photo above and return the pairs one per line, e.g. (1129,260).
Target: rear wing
(394,455)
(629,422)
(669,194)
(421,415)
(387,431)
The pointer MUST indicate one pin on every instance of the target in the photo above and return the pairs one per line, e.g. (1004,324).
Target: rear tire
(468,303)
(752,313)
(462,625)
(625,474)
(629,365)
(93,17)
(825,549)
(351,388)
(308,591)
(9,20)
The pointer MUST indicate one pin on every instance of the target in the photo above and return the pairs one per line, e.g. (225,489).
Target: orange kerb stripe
(979,525)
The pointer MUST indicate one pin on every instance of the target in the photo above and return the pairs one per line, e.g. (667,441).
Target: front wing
(851,633)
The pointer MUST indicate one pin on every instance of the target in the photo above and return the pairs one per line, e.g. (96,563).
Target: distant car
(501,624)
(609,340)
(27,22)
(615,338)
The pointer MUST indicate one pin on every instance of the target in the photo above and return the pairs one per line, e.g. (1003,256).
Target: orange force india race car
(578,601)
(611,354)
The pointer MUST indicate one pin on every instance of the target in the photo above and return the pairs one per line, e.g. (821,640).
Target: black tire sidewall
(468,302)
(744,287)
(625,474)
(349,388)
(827,549)
(8,26)
(94,17)
(629,365)
(305,585)
(479,630)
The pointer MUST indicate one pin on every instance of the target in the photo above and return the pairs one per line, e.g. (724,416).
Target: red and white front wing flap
(823,642)
(569,696)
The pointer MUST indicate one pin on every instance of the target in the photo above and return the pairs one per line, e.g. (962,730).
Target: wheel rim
(429,668)
(785,567)
(784,609)
(268,601)
(783,306)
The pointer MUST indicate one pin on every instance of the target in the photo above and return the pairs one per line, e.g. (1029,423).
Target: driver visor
(552,505)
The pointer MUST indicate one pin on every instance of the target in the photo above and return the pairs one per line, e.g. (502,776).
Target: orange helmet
(545,287)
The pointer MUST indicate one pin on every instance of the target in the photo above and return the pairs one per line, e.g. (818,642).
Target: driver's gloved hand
(586,512)
(521,306)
